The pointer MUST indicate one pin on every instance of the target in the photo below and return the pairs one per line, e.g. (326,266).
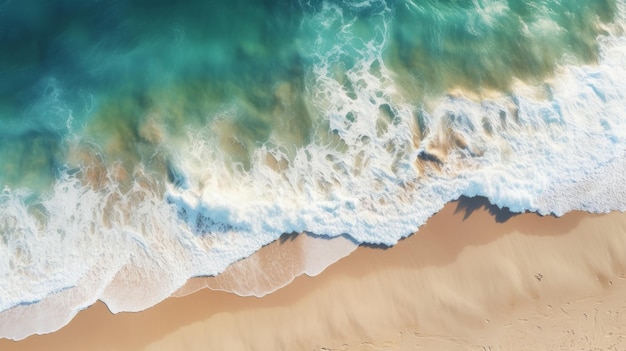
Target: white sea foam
(369,172)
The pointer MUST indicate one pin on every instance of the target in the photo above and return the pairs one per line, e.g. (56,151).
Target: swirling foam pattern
(146,143)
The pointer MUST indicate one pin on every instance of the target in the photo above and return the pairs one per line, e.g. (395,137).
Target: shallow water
(149,140)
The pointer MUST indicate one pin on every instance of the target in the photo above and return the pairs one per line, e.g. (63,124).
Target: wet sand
(473,277)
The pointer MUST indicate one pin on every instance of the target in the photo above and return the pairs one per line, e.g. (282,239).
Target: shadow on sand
(471,204)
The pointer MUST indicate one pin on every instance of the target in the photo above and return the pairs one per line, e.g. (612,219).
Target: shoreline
(469,276)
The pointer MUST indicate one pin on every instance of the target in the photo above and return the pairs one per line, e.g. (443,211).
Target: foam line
(376,168)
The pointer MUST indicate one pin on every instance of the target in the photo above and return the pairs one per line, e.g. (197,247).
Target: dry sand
(471,279)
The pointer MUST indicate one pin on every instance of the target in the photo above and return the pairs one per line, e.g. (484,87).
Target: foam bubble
(376,168)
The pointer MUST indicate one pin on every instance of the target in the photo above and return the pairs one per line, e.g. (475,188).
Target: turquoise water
(166,140)
(99,70)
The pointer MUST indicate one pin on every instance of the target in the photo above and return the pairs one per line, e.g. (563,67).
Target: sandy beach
(312,175)
(472,278)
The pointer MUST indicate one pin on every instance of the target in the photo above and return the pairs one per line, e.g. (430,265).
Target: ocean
(143,143)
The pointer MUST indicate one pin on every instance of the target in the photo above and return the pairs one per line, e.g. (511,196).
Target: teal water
(99,70)
(154,141)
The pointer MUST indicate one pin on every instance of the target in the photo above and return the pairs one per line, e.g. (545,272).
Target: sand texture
(473,278)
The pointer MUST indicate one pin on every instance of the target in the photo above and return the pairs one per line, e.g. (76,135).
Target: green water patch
(243,112)
(30,160)
(439,45)
(43,41)
(128,75)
